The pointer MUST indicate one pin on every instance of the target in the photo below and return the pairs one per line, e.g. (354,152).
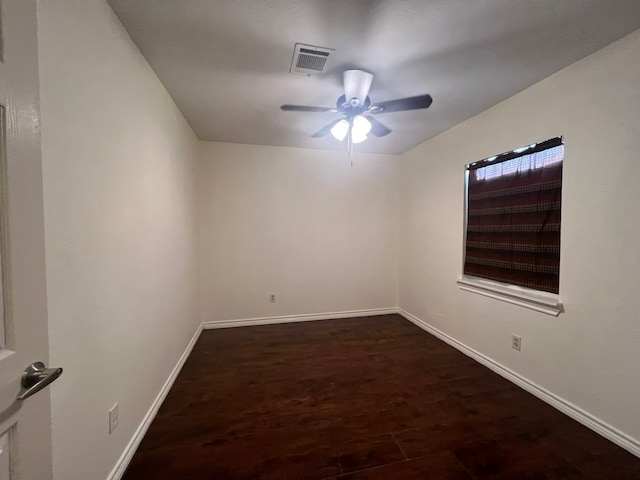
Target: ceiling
(226,62)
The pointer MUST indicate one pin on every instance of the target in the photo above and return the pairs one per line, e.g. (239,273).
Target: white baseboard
(132,446)
(247,322)
(616,436)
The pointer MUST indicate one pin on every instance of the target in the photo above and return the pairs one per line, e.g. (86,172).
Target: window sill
(539,301)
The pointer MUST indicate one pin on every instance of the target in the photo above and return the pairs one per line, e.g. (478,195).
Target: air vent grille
(309,59)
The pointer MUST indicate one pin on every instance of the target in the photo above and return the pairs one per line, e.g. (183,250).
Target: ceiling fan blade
(306,108)
(377,128)
(402,104)
(326,129)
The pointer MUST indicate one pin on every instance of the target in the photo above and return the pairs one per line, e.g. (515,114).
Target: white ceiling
(226,62)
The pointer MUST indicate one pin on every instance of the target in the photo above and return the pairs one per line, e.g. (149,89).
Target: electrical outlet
(516,342)
(113,418)
(272,298)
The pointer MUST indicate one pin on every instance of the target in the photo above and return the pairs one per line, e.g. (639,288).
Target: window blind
(513,217)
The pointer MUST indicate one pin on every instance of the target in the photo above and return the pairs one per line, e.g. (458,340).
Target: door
(25,432)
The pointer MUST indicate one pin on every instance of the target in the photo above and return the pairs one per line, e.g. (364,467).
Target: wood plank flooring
(365,398)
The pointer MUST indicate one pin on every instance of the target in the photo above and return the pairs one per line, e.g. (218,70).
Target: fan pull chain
(350,145)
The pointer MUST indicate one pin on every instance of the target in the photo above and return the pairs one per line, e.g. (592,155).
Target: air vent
(309,59)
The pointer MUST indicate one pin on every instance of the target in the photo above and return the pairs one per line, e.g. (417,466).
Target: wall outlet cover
(516,342)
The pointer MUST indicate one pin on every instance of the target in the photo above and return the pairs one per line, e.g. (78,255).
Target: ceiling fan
(355,106)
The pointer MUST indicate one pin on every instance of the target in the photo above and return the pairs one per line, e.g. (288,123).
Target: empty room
(319,239)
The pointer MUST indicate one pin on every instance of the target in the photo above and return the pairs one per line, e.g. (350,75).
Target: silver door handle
(36,377)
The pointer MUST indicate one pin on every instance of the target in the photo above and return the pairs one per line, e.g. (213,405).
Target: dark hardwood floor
(365,398)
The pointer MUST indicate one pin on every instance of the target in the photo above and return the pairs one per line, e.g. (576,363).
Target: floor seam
(373,468)
(398,444)
(471,475)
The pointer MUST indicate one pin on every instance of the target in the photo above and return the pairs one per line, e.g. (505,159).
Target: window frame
(538,300)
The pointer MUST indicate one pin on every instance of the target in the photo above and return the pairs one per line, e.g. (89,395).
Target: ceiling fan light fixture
(340,129)
(358,137)
(361,126)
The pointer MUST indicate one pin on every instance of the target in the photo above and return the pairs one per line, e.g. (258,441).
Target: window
(513,217)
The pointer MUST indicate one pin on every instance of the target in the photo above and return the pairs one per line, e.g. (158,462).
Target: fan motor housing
(350,108)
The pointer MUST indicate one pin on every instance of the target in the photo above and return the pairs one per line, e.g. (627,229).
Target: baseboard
(616,436)
(132,446)
(248,322)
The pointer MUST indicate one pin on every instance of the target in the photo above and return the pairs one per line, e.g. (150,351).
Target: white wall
(120,219)
(302,224)
(590,355)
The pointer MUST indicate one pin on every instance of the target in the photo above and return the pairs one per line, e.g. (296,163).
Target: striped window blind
(513,217)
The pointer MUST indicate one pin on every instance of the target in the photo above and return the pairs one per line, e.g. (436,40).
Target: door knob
(35,377)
